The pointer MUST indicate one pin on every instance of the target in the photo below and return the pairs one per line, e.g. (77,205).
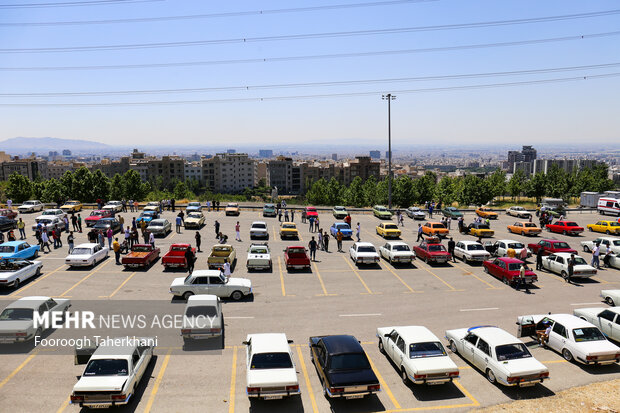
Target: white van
(609,206)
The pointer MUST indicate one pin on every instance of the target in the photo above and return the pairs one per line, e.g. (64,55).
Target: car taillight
(543,375)
(292,388)
(186,331)
(590,358)
(253,390)
(419,376)
(334,390)
(77,399)
(118,397)
(453,374)
(374,387)
(513,379)
(21,334)
(617,355)
(215,330)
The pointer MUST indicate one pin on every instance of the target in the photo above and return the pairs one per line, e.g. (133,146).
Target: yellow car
(480,230)
(232,208)
(288,230)
(74,206)
(524,228)
(608,227)
(194,219)
(387,230)
(485,212)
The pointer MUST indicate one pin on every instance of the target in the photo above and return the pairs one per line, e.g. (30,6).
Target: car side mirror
(313,345)
(386,335)
(247,343)
(290,341)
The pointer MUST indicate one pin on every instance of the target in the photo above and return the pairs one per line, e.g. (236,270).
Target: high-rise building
(375,154)
(66,152)
(229,172)
(265,153)
(231,151)
(334,156)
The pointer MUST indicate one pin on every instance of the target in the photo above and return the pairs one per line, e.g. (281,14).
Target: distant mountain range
(22,146)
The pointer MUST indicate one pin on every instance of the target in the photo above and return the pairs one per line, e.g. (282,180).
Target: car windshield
(259,250)
(29,203)
(512,352)
(366,249)
(355,361)
(401,247)
(517,208)
(296,251)
(311,209)
(201,310)
(96,213)
(571,224)
(342,226)
(50,212)
(560,245)
(156,224)
(195,215)
(580,261)
(430,349)
(339,208)
(178,248)
(194,204)
(289,226)
(140,248)
(588,334)
(483,226)
(439,226)
(530,225)
(516,245)
(271,361)
(261,226)
(414,209)
(231,206)
(475,247)
(6,248)
(514,266)
(12,314)
(44,220)
(81,251)
(436,247)
(221,249)
(72,202)
(381,209)
(106,367)
(269,206)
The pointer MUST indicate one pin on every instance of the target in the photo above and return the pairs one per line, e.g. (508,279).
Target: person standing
(121,221)
(320,236)
(110,234)
(178,224)
(339,240)
(595,255)
(539,257)
(286,215)
(172,201)
(133,223)
(182,215)
(606,258)
(449,223)
(22,229)
(128,235)
(151,239)
(70,241)
(451,245)
(312,247)
(420,236)
(135,238)
(347,220)
(279,215)
(198,240)
(238,232)
(226,269)
(74,222)
(358,232)
(217,228)
(311,221)
(100,238)
(401,219)
(9,203)
(79,221)
(303,216)
(326,241)
(45,240)
(116,247)
(65,220)
(571,267)
(292,215)
(189,258)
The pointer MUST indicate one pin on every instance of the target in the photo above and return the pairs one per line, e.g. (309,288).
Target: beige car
(232,208)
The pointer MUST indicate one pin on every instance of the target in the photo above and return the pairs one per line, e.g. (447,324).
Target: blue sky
(584,111)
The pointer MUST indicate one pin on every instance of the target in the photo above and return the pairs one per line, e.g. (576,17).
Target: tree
(425,187)
(53,191)
(516,185)
(66,183)
(117,187)
(600,176)
(497,183)
(181,191)
(19,188)
(557,182)
(334,192)
(101,186)
(82,185)
(354,194)
(370,191)
(133,187)
(447,190)
(381,194)
(317,194)
(537,186)
(403,191)
(475,191)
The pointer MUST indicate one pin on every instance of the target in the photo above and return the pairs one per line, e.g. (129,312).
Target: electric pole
(389,97)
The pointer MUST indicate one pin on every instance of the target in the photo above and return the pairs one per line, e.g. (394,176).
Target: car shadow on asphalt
(206,345)
(287,404)
(367,404)
(599,370)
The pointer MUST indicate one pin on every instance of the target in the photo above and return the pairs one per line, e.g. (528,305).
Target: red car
(9,213)
(431,250)
(551,246)
(175,257)
(96,215)
(507,270)
(311,212)
(565,227)
(141,255)
(296,258)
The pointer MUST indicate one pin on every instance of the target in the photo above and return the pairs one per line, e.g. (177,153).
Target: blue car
(147,216)
(343,227)
(18,249)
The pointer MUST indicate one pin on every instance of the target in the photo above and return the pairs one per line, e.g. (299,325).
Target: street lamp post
(389,97)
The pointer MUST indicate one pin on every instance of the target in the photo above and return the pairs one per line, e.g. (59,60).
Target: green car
(381,212)
(269,210)
(339,212)
(451,212)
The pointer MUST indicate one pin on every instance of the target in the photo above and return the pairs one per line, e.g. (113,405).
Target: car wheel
(187,294)
(522,233)
(486,270)
(491,376)
(36,254)
(505,281)
(607,232)
(609,301)
(403,376)
(586,248)
(37,272)
(564,233)
(590,229)
(564,275)
(567,355)
(236,295)
(381,349)
(16,283)
(452,347)
(509,230)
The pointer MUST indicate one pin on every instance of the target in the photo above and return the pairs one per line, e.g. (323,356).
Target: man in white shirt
(226,269)
(595,256)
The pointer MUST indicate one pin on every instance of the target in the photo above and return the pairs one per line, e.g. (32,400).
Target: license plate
(355,396)
(273,397)
(7,340)
(435,382)
(529,384)
(98,406)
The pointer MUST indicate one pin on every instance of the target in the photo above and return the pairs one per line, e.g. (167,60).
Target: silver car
(160,227)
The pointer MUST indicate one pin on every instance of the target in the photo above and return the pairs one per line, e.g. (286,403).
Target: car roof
(158,220)
(469,242)
(415,334)
(206,273)
(564,254)
(509,260)
(29,302)
(364,244)
(397,243)
(494,335)
(259,222)
(12,243)
(87,245)
(340,344)
(569,320)
(202,299)
(508,240)
(269,343)
(289,223)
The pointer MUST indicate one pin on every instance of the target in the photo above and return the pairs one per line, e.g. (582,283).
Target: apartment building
(229,172)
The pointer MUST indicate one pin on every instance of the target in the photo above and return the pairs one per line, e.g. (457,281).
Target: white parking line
(360,315)
(598,303)
(479,309)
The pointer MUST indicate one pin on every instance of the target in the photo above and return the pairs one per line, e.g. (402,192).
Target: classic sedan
(565,228)
(611,297)
(288,230)
(486,212)
(18,249)
(363,253)
(418,354)
(478,229)
(159,227)
(103,225)
(232,208)
(311,212)
(147,217)
(558,263)
(415,213)
(432,252)
(194,220)
(606,319)
(203,318)
(508,270)
(141,255)
(86,255)
(451,212)
(259,257)
(296,258)
(193,207)
(524,228)
(7,224)
(435,229)
(113,206)
(95,216)
(381,212)
(388,230)
(501,356)
(9,213)
(49,222)
(608,227)
(574,338)
(30,206)
(269,210)
(471,251)
(270,370)
(258,229)
(550,246)
(54,212)
(69,206)
(16,320)
(500,247)
(397,252)
(339,212)
(14,272)
(614,244)
(344,228)
(211,282)
(519,212)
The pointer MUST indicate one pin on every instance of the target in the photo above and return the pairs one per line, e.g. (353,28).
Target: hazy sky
(567,111)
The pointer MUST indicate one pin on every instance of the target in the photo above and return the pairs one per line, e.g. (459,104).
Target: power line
(72,4)
(316,84)
(313,57)
(218,15)
(317,96)
(309,35)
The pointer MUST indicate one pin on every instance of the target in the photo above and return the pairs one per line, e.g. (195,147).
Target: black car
(104,223)
(7,224)
(343,367)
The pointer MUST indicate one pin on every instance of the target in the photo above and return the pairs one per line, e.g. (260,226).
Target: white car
(614,243)
(501,356)
(397,251)
(611,297)
(606,319)
(502,246)
(259,230)
(415,213)
(114,206)
(50,222)
(55,212)
(211,282)
(152,206)
(159,227)
(259,257)
(574,338)
(16,320)
(518,211)
(418,354)
(193,206)
(471,251)
(558,263)
(14,272)
(30,206)
(203,318)
(86,255)
(113,372)
(270,370)
(364,253)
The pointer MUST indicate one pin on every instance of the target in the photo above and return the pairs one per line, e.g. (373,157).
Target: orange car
(524,228)
(435,229)
(485,212)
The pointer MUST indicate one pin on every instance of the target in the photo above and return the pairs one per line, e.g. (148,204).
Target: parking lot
(336,297)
